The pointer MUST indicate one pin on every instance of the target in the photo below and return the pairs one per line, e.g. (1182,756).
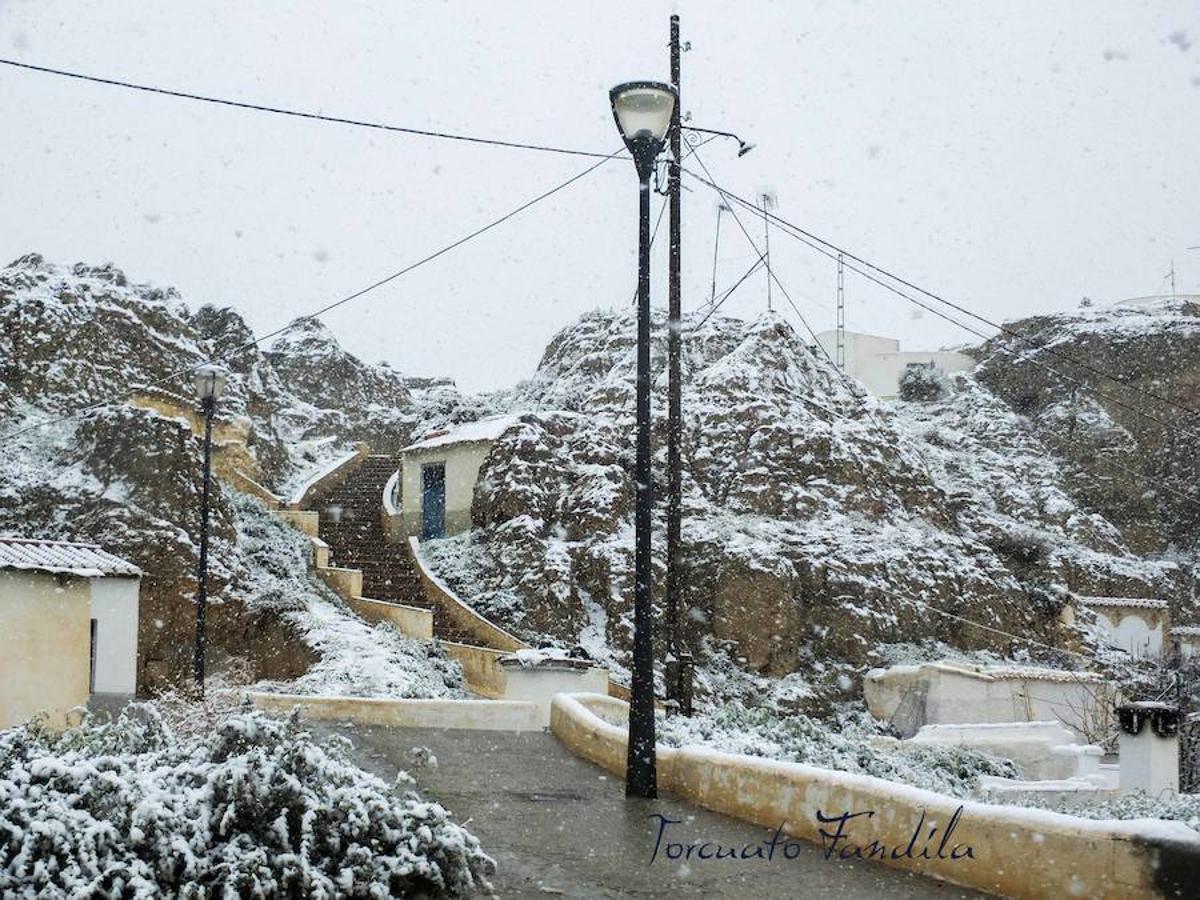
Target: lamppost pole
(643,113)
(210,384)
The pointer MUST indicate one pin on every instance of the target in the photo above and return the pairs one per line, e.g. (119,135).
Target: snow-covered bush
(1183,808)
(924,384)
(852,745)
(256,809)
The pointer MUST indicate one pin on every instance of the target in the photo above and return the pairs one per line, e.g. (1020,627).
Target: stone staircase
(351,525)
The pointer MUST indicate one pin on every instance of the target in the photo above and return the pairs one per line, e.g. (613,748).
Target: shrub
(858,746)
(923,383)
(258,808)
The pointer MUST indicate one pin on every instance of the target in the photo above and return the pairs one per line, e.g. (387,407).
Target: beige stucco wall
(475,715)
(481,630)
(45,641)
(462,462)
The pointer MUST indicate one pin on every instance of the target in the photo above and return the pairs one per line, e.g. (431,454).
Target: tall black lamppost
(210,385)
(643,113)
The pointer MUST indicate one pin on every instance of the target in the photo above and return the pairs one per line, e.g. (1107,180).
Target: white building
(68,627)
(951,693)
(1136,625)
(438,475)
(878,362)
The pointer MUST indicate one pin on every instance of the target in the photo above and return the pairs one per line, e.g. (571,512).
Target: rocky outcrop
(1131,444)
(129,477)
(818,524)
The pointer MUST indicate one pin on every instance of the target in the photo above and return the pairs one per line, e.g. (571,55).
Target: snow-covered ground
(853,744)
(355,658)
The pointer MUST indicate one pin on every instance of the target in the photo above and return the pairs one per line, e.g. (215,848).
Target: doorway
(433,501)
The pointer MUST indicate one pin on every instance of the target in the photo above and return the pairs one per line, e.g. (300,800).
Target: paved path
(558,825)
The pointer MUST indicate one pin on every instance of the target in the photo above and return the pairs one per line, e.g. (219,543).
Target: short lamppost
(643,113)
(210,383)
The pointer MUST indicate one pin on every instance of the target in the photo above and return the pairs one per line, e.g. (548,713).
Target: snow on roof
(999,672)
(62,557)
(1032,673)
(1186,630)
(488,429)
(1135,602)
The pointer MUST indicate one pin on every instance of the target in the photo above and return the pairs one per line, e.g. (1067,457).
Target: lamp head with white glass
(642,110)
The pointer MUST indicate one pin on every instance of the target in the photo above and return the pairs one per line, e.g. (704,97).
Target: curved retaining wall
(481,668)
(329,477)
(1015,852)
(476,715)
(410,620)
(461,615)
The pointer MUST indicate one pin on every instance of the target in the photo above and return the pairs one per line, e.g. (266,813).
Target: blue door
(433,501)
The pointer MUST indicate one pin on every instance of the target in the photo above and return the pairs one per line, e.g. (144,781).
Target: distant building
(879,363)
(1136,625)
(68,627)
(438,475)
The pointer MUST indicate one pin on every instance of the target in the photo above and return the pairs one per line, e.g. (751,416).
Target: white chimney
(1149,748)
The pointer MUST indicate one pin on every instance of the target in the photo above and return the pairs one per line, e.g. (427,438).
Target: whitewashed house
(68,627)
(879,363)
(1137,625)
(438,474)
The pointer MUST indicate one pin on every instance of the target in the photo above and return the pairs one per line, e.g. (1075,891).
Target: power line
(299,114)
(329,306)
(771,276)
(726,294)
(955,306)
(1157,483)
(798,234)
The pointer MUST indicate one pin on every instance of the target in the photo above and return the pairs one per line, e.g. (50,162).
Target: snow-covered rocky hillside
(1132,444)
(129,477)
(819,524)
(821,527)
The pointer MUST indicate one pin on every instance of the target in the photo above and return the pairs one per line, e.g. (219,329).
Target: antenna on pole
(841,313)
(722,208)
(767,199)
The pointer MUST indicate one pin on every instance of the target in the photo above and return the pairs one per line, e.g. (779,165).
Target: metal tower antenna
(841,314)
(768,201)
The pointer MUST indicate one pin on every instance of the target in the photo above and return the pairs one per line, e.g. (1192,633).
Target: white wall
(114,606)
(462,463)
(879,362)
(1131,633)
(944,694)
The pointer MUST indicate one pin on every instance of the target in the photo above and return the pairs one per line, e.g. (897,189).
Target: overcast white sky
(1014,156)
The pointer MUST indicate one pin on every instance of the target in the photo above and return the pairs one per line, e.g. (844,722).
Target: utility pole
(766,204)
(841,313)
(674,669)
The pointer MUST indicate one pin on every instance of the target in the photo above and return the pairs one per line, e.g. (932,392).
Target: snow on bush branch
(257,809)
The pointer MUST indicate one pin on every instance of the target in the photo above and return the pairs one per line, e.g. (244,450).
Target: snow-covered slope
(1132,440)
(818,524)
(129,478)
